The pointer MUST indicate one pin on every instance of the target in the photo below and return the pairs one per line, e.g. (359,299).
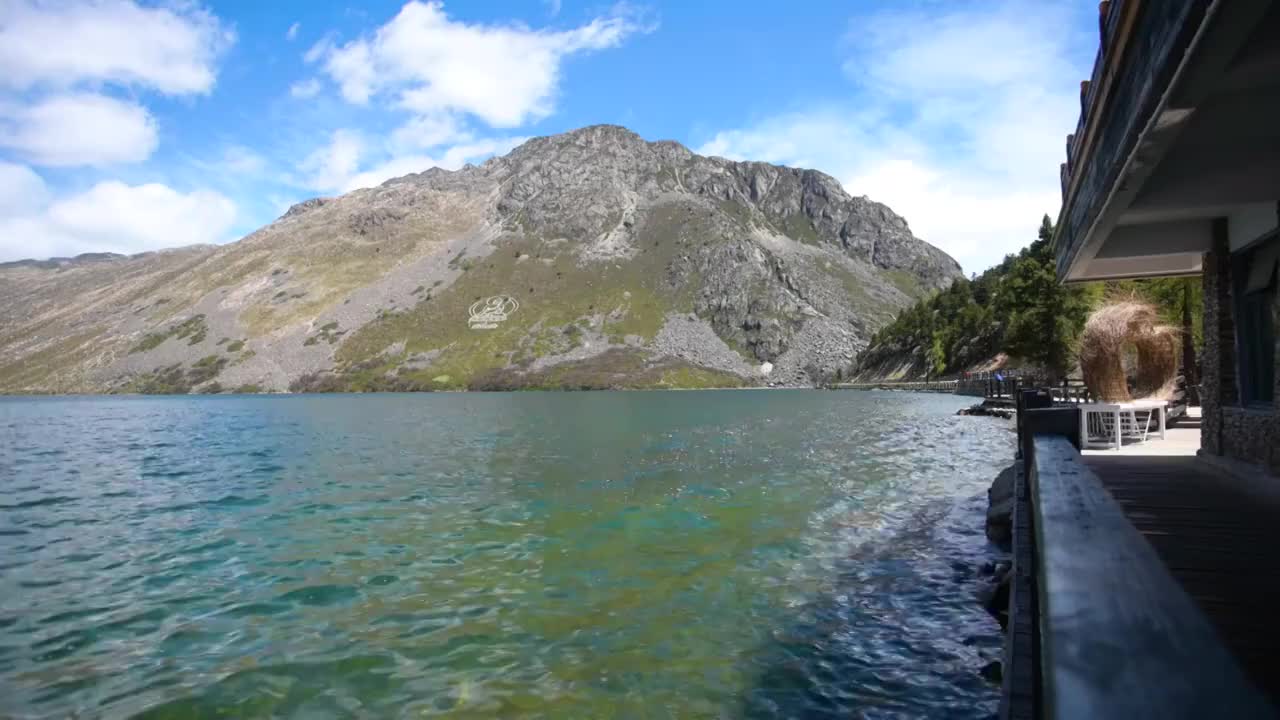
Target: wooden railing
(992,386)
(941,386)
(1111,633)
(1071,390)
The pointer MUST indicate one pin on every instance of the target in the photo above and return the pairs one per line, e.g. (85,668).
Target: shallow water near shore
(645,554)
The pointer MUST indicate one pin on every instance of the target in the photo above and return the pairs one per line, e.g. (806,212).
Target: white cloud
(502,74)
(21,190)
(304,89)
(962,141)
(553,7)
(292,33)
(352,67)
(240,160)
(452,159)
(343,165)
(329,168)
(454,81)
(322,47)
(429,131)
(110,217)
(60,44)
(79,129)
(144,217)
(234,168)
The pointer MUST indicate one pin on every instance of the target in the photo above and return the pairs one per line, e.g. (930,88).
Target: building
(1174,169)
(1144,586)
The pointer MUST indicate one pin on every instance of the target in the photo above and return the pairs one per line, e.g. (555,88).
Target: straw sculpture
(1157,375)
(1113,328)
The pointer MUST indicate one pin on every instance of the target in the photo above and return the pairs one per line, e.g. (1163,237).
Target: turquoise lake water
(580,555)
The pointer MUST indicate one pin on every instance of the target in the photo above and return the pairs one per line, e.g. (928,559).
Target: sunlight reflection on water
(691,554)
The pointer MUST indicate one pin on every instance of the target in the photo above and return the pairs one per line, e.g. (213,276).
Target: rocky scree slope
(633,263)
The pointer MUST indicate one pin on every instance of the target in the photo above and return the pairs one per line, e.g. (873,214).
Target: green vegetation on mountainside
(41,367)
(175,379)
(1018,308)
(561,302)
(193,330)
(614,369)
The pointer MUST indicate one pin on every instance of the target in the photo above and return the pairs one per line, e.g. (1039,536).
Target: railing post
(1042,420)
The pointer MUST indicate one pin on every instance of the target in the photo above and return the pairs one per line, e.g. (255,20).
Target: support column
(1274,460)
(1218,381)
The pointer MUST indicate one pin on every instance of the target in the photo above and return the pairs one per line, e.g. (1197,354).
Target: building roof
(1160,114)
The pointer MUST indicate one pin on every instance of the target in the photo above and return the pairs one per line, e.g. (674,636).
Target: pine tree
(1044,317)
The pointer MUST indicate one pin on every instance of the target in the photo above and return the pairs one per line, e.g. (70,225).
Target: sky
(128,126)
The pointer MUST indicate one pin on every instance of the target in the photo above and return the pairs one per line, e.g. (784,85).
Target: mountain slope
(631,264)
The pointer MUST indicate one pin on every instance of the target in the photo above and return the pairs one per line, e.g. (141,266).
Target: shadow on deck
(1218,537)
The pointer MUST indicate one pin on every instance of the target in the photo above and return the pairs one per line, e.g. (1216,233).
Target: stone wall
(1274,448)
(1217,382)
(1251,435)
(1248,434)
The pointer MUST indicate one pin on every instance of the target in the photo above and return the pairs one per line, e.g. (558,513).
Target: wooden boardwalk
(1219,540)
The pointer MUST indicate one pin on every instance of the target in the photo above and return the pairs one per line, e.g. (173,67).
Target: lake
(771,553)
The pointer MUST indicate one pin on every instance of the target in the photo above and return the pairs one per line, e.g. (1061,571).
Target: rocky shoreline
(994,576)
(982,409)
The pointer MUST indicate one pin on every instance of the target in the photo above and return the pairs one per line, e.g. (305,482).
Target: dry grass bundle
(1102,343)
(1158,349)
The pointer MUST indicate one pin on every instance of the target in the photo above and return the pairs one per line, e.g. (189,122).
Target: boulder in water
(994,594)
(984,410)
(1000,509)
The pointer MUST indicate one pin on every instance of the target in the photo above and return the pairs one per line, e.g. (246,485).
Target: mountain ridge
(641,246)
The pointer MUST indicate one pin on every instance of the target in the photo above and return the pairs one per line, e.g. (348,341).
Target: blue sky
(128,126)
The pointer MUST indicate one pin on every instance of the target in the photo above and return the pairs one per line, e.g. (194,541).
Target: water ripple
(760,554)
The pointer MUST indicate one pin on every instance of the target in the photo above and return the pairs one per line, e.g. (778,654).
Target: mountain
(614,262)
(54,263)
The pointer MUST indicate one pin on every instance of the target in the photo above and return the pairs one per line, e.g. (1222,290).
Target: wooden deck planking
(1119,638)
(1218,540)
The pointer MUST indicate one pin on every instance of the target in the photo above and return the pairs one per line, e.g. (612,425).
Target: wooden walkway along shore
(995,390)
(938,386)
(1218,539)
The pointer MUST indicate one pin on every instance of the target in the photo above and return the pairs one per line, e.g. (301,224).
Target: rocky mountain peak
(305,206)
(635,263)
(586,179)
